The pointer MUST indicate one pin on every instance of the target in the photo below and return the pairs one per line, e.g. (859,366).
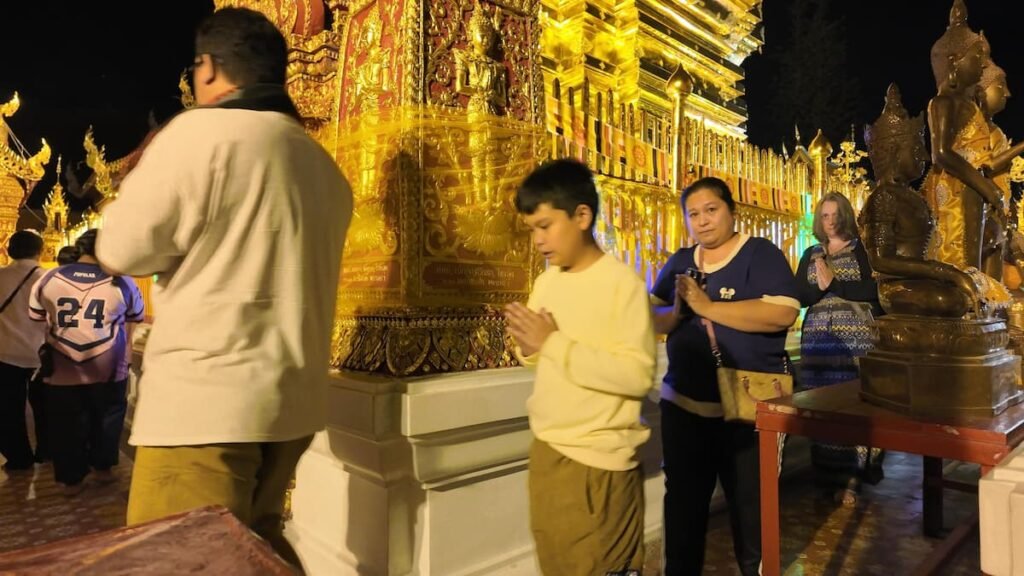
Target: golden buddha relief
(478,75)
(371,76)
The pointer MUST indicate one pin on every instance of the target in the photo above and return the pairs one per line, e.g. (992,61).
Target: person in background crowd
(838,287)
(67,255)
(743,286)
(20,339)
(88,315)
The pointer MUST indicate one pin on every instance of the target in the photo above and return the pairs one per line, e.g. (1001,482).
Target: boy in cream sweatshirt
(587,331)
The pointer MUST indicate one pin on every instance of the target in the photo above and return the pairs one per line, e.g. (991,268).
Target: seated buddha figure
(897,224)
(959,194)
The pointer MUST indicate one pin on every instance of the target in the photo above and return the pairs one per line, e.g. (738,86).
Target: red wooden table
(837,415)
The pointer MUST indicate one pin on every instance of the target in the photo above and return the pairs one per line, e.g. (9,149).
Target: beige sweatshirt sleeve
(160,208)
(627,366)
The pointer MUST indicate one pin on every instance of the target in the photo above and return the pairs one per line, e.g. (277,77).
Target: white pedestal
(427,476)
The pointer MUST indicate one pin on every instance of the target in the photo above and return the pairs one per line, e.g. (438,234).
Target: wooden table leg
(770,541)
(932,493)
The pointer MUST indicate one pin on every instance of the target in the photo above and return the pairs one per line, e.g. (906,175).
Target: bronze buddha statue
(991,95)
(897,224)
(960,195)
(940,351)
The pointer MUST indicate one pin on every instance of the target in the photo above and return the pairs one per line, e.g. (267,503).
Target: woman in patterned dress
(837,286)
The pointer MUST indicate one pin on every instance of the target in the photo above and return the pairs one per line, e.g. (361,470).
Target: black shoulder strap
(15,293)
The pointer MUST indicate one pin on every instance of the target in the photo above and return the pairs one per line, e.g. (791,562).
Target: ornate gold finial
(895,123)
(680,82)
(820,146)
(188,99)
(954,43)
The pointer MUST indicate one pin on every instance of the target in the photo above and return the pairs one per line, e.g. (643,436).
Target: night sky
(886,41)
(109,65)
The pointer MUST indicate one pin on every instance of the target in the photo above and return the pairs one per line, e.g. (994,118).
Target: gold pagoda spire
(56,205)
(56,210)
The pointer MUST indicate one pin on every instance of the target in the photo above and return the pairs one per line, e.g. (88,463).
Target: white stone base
(427,476)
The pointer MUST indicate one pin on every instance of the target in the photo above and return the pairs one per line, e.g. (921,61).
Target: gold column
(679,86)
(820,150)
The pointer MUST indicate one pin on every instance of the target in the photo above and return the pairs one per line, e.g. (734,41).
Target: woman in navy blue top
(745,287)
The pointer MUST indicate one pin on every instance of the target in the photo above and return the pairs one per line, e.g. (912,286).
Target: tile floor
(881,535)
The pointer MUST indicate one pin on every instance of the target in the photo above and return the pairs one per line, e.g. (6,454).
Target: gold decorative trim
(416,341)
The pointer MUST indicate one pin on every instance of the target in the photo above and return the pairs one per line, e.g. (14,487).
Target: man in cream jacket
(242,217)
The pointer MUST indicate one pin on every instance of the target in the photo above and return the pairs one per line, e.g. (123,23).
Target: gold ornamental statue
(962,197)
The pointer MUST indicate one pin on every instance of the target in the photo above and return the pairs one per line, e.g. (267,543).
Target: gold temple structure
(648,94)
(436,112)
(19,173)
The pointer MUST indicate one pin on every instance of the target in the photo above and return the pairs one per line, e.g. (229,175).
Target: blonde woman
(839,291)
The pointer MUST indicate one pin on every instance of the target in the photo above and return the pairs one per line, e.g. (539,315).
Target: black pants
(37,400)
(698,451)
(85,427)
(13,432)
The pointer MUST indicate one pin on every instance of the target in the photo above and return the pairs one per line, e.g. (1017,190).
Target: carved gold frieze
(411,341)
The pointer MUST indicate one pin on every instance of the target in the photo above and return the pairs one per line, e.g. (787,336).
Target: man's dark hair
(245,45)
(67,255)
(565,184)
(25,244)
(86,243)
(716,185)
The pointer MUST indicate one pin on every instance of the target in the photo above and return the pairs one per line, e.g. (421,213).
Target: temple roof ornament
(95,158)
(16,161)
